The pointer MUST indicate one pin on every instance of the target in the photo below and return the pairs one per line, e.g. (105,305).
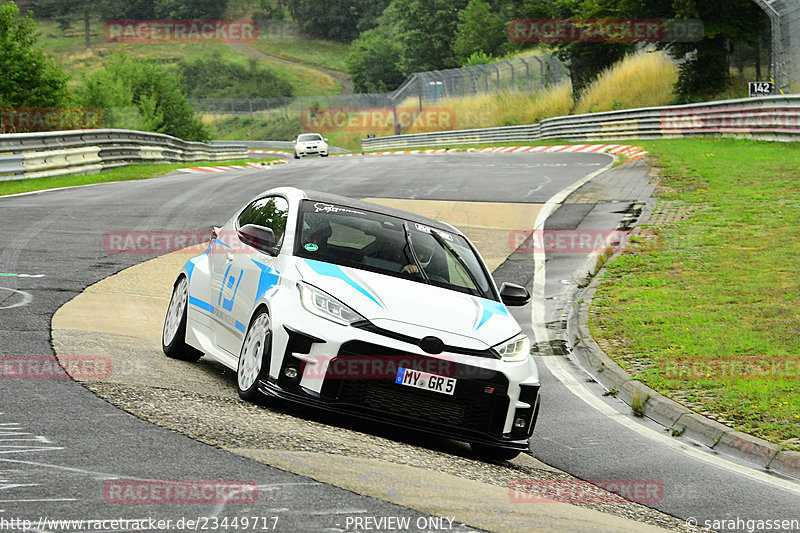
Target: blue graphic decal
(197,302)
(190,264)
(229,281)
(268,279)
(490,308)
(334,271)
(239,326)
(401,372)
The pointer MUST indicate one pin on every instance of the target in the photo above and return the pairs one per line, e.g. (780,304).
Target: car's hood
(413,308)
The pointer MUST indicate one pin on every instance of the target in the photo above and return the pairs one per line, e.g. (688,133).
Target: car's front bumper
(490,398)
(316,150)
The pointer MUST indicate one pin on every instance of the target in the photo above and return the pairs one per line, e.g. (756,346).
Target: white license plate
(423,380)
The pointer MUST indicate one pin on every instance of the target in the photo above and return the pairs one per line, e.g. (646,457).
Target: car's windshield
(380,243)
(309,137)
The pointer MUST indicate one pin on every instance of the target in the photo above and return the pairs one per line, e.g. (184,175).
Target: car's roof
(343,201)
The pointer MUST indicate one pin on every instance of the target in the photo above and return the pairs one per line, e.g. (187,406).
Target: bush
(142,95)
(213,77)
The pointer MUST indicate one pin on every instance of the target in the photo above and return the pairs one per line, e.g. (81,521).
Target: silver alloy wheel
(250,359)
(177,306)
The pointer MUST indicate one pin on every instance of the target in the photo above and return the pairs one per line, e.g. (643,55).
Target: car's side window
(270,212)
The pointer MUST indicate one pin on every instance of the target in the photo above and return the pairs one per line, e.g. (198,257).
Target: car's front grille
(482,412)
(479,402)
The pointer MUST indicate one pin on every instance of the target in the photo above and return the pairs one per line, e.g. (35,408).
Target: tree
(338,20)
(425,31)
(190,9)
(142,95)
(29,77)
(586,59)
(479,30)
(705,72)
(372,61)
(65,12)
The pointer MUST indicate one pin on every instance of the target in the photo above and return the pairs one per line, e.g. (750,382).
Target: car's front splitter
(310,398)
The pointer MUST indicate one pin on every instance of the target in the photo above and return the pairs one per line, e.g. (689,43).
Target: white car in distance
(310,144)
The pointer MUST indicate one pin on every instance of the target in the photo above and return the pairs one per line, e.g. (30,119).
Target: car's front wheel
(254,356)
(173,337)
(324,155)
(296,156)
(493,453)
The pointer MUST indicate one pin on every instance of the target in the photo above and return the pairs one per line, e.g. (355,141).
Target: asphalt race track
(60,445)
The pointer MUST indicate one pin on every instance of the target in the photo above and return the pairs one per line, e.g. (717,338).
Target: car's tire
(254,356)
(173,336)
(324,155)
(493,453)
(296,156)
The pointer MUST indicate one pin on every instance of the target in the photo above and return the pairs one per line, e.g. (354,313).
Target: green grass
(127,173)
(326,54)
(705,310)
(70,52)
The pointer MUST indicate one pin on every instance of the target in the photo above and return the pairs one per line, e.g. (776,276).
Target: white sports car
(310,144)
(360,309)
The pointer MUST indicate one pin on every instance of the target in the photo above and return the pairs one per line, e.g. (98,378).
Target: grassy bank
(70,52)
(705,310)
(130,172)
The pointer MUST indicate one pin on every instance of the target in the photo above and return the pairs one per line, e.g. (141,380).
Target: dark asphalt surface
(73,443)
(59,444)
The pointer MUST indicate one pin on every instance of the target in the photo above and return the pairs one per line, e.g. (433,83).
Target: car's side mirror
(325,139)
(259,237)
(514,295)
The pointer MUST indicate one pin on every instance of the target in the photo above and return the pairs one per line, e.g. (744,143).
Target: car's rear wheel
(173,337)
(254,356)
(493,453)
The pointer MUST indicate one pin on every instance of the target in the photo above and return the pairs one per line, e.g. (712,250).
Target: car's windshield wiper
(443,243)
(410,247)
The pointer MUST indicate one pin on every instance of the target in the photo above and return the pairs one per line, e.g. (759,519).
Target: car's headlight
(326,306)
(516,349)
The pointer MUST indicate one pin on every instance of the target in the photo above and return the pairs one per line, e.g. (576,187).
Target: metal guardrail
(38,155)
(773,118)
(277,145)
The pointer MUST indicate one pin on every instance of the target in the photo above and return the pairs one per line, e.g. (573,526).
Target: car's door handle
(228,257)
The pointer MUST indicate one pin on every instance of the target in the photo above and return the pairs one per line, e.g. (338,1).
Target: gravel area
(231,424)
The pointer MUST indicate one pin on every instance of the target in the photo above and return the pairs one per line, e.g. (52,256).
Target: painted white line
(41,500)
(538,319)
(26,298)
(558,367)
